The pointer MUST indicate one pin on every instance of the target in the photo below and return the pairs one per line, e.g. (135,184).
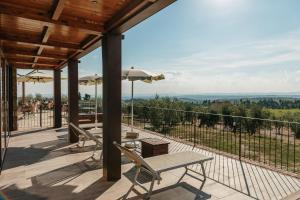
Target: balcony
(43,165)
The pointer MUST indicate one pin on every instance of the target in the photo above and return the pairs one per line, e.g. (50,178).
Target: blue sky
(211,46)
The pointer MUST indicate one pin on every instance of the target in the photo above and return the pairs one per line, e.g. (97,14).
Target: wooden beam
(58,9)
(134,13)
(30,63)
(20,66)
(112,66)
(47,29)
(78,55)
(57,98)
(18,54)
(32,41)
(132,8)
(73,98)
(89,40)
(44,18)
(46,34)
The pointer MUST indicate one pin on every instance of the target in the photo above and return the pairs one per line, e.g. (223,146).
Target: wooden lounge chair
(85,135)
(154,166)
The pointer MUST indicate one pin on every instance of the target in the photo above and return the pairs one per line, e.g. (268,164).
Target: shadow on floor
(58,192)
(19,156)
(178,191)
(20,133)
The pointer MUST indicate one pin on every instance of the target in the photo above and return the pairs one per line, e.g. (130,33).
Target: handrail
(217,114)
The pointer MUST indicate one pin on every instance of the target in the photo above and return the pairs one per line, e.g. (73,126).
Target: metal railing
(40,117)
(89,106)
(269,142)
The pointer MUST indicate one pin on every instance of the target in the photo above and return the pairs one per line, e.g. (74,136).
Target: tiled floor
(41,165)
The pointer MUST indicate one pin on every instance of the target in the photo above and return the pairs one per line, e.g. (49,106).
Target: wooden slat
(16,53)
(43,17)
(32,41)
(30,63)
(21,66)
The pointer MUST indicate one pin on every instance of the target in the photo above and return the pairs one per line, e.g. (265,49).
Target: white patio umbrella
(139,75)
(35,77)
(92,80)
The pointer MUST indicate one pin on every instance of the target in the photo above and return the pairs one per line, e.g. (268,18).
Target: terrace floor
(42,165)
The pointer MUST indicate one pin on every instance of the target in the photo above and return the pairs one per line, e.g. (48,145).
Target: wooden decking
(42,165)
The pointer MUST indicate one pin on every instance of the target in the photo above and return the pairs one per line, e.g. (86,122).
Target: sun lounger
(85,135)
(154,166)
(91,125)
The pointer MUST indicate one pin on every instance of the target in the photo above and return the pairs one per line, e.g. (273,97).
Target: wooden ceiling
(44,34)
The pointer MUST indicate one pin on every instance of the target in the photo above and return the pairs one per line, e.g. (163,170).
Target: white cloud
(271,65)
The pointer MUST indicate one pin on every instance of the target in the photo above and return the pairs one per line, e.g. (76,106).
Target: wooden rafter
(26,55)
(46,20)
(31,54)
(21,66)
(134,13)
(58,8)
(32,41)
(30,63)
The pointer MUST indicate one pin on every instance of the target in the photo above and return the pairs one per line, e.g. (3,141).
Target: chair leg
(95,149)
(101,155)
(186,170)
(134,182)
(204,175)
(150,189)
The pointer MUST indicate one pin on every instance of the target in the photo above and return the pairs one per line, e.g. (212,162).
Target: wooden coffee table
(154,147)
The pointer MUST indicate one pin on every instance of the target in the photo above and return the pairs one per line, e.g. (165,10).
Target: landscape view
(238,92)
(122,88)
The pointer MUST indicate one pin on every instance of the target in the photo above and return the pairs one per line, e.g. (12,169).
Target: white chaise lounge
(154,166)
(86,135)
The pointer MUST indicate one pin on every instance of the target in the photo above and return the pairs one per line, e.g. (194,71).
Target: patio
(41,164)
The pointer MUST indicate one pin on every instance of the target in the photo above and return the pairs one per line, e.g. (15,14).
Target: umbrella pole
(96,120)
(131,106)
(23,93)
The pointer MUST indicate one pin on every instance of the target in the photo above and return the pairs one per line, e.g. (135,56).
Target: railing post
(240,140)
(195,127)
(41,118)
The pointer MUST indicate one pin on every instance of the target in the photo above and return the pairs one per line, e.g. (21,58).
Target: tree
(38,96)
(209,119)
(255,122)
(29,97)
(227,111)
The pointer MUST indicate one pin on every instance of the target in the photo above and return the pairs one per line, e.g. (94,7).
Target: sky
(209,46)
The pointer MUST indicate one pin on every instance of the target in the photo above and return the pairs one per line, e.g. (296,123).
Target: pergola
(52,34)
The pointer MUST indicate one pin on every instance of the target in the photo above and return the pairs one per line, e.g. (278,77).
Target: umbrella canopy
(133,74)
(90,80)
(139,75)
(36,77)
